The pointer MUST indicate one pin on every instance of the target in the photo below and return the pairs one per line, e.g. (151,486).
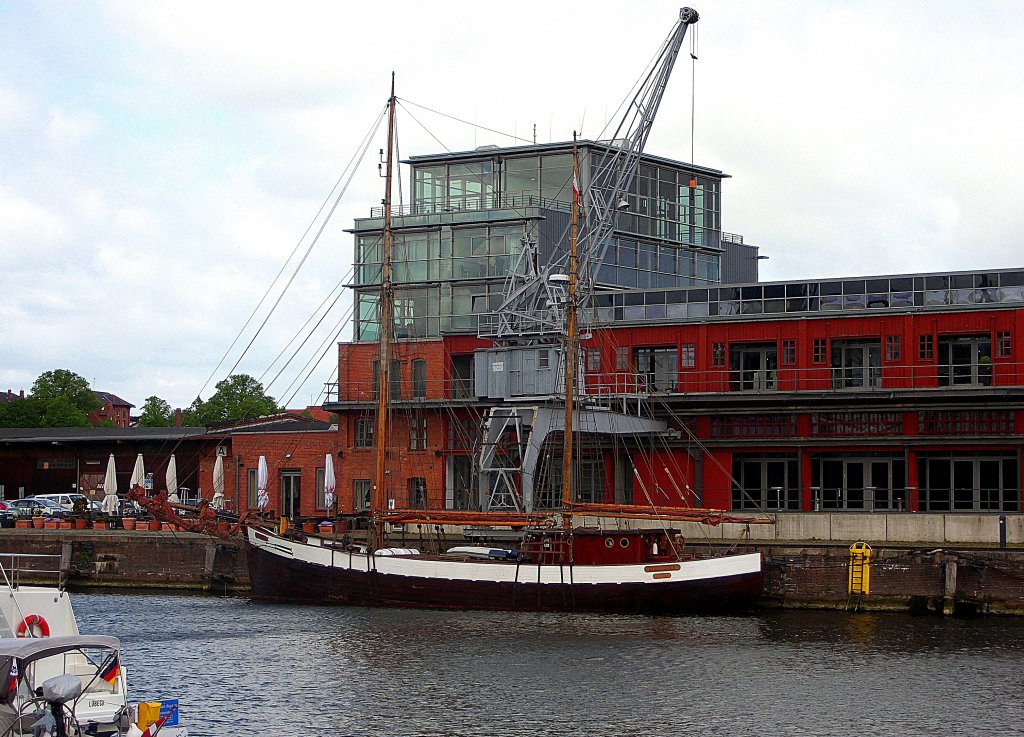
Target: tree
(156,413)
(21,412)
(67,384)
(60,412)
(238,397)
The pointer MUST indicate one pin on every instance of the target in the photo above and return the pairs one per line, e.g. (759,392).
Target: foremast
(572,341)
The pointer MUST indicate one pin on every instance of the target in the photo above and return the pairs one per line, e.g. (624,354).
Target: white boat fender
(397,551)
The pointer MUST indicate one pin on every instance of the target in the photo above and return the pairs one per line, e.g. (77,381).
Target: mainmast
(572,340)
(386,305)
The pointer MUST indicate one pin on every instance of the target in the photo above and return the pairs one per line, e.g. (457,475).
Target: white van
(65,500)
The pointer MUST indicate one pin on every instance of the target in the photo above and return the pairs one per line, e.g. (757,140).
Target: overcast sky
(159,162)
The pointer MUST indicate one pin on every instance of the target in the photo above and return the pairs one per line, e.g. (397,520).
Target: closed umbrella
(138,474)
(218,484)
(172,481)
(262,498)
(110,504)
(330,484)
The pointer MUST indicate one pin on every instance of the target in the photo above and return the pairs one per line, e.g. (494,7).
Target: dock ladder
(859,574)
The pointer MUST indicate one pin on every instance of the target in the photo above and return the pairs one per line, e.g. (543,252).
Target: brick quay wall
(921,579)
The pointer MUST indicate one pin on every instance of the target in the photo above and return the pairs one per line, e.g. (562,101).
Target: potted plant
(155,525)
(23,524)
(80,513)
(128,523)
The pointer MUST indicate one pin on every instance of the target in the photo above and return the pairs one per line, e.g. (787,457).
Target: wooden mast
(386,305)
(571,344)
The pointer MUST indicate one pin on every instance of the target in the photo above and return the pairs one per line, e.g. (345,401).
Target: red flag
(12,683)
(156,726)
(575,187)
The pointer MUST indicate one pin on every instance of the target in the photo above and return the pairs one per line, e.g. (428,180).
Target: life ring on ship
(33,620)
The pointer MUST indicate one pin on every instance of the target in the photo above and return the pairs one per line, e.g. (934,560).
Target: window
(965,359)
(361,490)
(871,481)
(765,482)
(418,433)
(593,360)
(856,364)
(658,366)
(969,482)
(753,367)
(788,352)
(321,480)
(419,378)
(820,350)
(622,358)
(892,348)
(543,358)
(926,348)
(394,380)
(1004,348)
(687,355)
(364,433)
(462,377)
(718,354)
(417,487)
(253,489)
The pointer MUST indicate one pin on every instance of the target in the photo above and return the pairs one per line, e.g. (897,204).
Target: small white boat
(43,656)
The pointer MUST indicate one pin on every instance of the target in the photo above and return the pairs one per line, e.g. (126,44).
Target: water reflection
(280,670)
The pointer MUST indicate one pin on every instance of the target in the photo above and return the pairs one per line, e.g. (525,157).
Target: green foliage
(67,384)
(156,413)
(238,397)
(27,412)
(60,412)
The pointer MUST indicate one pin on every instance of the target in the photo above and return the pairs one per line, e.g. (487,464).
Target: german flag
(112,670)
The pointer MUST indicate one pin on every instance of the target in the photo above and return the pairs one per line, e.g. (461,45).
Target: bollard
(1002,530)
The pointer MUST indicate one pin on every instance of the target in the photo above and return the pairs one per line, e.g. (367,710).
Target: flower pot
(309,527)
(65,524)
(166,526)
(51,524)
(326,528)
(81,524)
(23,524)
(154,525)
(128,523)
(38,522)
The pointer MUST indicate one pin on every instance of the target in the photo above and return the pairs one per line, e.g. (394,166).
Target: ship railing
(16,568)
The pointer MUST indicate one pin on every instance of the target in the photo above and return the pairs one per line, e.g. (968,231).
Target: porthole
(624,542)
(608,542)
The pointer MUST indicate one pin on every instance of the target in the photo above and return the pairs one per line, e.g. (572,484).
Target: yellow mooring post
(860,571)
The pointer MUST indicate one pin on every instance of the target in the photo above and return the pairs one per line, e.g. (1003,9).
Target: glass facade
(456,243)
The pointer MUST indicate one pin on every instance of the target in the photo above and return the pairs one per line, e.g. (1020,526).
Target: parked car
(32,507)
(65,500)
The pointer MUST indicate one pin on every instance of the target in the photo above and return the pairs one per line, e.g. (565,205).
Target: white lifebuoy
(33,620)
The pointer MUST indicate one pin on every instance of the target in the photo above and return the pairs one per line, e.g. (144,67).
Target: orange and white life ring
(33,620)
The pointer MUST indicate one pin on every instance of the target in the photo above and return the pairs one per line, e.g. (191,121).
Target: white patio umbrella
(262,498)
(138,474)
(218,484)
(110,503)
(330,484)
(172,481)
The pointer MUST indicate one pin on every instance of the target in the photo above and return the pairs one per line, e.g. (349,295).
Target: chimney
(177,417)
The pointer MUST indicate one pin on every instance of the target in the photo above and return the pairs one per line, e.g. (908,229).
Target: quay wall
(129,559)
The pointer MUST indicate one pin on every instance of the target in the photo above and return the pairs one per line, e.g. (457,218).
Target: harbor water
(244,668)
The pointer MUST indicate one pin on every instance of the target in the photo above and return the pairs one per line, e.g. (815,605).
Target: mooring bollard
(1002,530)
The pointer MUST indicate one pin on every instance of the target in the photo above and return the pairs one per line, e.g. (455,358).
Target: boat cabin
(591,546)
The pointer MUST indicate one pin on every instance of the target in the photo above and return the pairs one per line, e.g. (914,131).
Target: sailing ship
(557,565)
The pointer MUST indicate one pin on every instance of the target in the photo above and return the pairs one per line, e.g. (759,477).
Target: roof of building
(287,421)
(86,434)
(112,399)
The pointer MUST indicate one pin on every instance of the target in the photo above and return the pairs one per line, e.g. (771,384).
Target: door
(290,493)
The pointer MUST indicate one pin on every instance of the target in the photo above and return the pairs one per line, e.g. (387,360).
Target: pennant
(12,684)
(156,726)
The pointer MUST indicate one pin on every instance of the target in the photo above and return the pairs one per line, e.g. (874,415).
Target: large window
(363,433)
(253,489)
(659,367)
(857,483)
(965,359)
(462,377)
(856,364)
(969,482)
(765,482)
(321,481)
(417,433)
(419,378)
(417,493)
(753,367)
